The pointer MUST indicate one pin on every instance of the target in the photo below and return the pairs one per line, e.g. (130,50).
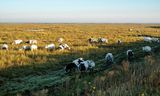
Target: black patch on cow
(130,56)
(4,48)
(70,67)
(79,61)
(82,67)
(27,42)
(90,40)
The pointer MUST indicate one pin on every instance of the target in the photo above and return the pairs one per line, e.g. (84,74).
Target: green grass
(135,80)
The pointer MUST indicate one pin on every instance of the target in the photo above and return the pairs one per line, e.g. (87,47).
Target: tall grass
(19,64)
(136,79)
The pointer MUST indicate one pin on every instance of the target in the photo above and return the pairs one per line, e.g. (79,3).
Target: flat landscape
(41,72)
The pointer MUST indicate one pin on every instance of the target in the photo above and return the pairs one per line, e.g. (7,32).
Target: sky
(80,11)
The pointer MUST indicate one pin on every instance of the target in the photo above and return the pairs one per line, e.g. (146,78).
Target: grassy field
(40,72)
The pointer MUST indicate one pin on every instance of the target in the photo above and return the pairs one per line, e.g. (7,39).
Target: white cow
(130,29)
(109,58)
(50,47)
(148,39)
(32,41)
(147,49)
(34,47)
(17,42)
(91,64)
(5,46)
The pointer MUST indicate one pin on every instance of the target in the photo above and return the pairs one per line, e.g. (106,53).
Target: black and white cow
(130,55)
(87,65)
(5,47)
(109,58)
(78,61)
(102,40)
(64,46)
(74,65)
(92,40)
(119,42)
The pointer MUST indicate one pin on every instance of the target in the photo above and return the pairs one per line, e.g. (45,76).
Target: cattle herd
(33,45)
(83,66)
(80,64)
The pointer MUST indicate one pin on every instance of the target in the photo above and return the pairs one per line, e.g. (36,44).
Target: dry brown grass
(19,64)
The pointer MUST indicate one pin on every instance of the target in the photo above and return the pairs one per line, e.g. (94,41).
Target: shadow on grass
(156,27)
(32,76)
(143,35)
(49,66)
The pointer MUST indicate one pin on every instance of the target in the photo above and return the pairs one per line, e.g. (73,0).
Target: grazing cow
(83,67)
(109,58)
(130,29)
(5,47)
(102,40)
(78,61)
(91,64)
(156,40)
(130,55)
(60,40)
(119,42)
(17,42)
(61,47)
(87,65)
(34,47)
(70,67)
(32,42)
(148,39)
(64,46)
(26,48)
(92,40)
(147,49)
(50,47)
(29,48)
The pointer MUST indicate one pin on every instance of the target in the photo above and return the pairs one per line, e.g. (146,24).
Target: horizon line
(79,23)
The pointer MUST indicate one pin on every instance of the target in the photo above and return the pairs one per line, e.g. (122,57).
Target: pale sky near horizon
(82,11)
